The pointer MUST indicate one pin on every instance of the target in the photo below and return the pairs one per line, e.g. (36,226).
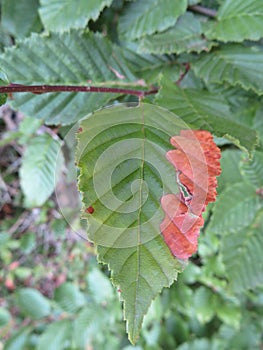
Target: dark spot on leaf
(89,210)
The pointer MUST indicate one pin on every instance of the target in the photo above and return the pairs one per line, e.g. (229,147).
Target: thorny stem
(41,89)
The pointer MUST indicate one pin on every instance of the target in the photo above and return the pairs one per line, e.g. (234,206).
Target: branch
(203,11)
(41,89)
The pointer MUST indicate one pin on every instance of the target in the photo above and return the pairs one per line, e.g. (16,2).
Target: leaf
(123,175)
(5,316)
(184,36)
(20,18)
(39,165)
(206,111)
(252,170)
(93,325)
(69,58)
(242,256)
(99,286)
(235,209)
(147,17)
(204,304)
(196,160)
(69,297)
(18,340)
(150,67)
(237,21)
(230,169)
(62,15)
(56,336)
(32,303)
(235,64)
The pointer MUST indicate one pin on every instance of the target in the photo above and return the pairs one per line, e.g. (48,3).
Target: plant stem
(40,89)
(203,10)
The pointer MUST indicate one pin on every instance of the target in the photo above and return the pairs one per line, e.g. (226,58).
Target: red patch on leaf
(89,210)
(196,160)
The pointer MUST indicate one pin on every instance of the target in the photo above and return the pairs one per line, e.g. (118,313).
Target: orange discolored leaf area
(196,159)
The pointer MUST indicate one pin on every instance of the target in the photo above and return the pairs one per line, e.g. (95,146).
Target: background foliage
(51,285)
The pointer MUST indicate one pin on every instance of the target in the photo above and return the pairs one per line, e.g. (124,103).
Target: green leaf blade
(64,15)
(184,36)
(205,110)
(32,303)
(242,256)
(235,64)
(38,168)
(20,18)
(59,332)
(74,58)
(235,209)
(238,21)
(147,17)
(124,173)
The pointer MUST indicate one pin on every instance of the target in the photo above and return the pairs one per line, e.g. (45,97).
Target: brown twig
(203,11)
(42,89)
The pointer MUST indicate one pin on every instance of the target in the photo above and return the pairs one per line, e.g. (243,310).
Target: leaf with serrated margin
(20,18)
(39,165)
(243,258)
(76,57)
(184,36)
(235,209)
(123,175)
(62,15)
(234,64)
(204,110)
(150,67)
(252,170)
(144,17)
(237,21)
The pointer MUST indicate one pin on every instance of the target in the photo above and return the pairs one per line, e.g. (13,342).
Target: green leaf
(234,64)
(235,209)
(150,67)
(252,171)
(242,256)
(62,15)
(99,286)
(184,36)
(32,303)
(144,17)
(229,312)
(93,325)
(230,169)
(204,304)
(205,110)
(238,20)
(56,336)
(5,316)
(19,340)
(258,124)
(38,169)
(69,297)
(68,58)
(123,174)
(20,18)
